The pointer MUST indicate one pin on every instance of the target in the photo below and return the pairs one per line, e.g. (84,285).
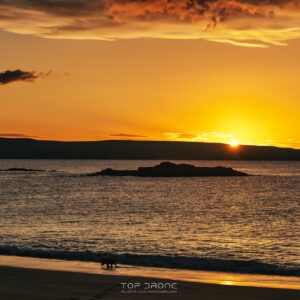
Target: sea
(231,224)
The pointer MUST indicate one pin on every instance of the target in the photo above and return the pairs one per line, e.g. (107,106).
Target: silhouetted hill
(29,148)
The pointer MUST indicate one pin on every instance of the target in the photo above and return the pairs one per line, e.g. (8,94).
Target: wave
(177,262)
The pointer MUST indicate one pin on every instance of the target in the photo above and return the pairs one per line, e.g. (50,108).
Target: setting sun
(234,144)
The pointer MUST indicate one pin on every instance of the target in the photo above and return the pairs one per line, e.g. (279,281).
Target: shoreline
(205,277)
(36,284)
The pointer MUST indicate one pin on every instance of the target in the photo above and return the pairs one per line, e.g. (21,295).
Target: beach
(34,284)
(25,278)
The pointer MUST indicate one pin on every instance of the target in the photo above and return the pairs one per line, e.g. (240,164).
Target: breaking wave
(177,262)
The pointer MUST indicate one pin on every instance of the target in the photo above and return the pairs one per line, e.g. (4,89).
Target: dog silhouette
(109,262)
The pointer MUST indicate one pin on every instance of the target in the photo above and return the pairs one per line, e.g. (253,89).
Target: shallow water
(224,223)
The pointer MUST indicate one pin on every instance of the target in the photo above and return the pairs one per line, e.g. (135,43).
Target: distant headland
(168,169)
(121,149)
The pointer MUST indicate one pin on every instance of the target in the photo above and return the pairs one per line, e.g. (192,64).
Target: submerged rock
(25,170)
(168,169)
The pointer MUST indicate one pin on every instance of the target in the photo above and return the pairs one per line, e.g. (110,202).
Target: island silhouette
(169,169)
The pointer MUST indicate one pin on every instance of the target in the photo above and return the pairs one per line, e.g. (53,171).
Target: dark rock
(168,169)
(22,170)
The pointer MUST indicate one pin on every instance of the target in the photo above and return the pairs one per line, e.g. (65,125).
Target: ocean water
(234,224)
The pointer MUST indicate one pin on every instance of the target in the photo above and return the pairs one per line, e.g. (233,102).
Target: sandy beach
(35,284)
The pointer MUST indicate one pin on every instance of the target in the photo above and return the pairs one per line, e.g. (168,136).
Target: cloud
(186,136)
(181,136)
(294,143)
(19,75)
(126,135)
(213,136)
(16,135)
(247,23)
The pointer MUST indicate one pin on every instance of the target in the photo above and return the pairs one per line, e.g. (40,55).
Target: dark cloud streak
(17,135)
(19,75)
(124,135)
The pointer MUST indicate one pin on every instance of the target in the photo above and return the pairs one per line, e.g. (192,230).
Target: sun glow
(227,282)
(234,144)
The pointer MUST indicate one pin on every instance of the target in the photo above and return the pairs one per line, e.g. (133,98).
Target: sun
(234,144)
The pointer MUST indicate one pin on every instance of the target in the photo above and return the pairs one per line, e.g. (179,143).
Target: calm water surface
(178,222)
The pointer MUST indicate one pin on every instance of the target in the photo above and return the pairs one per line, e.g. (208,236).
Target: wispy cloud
(16,135)
(247,23)
(294,143)
(219,137)
(200,136)
(242,44)
(127,135)
(19,75)
(185,136)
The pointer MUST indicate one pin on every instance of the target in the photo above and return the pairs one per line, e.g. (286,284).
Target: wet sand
(34,284)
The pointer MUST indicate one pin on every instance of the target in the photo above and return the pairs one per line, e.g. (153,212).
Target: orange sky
(190,83)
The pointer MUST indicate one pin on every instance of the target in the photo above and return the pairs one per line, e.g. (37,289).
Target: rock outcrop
(168,169)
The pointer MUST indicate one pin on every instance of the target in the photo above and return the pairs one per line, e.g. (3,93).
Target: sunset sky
(206,70)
